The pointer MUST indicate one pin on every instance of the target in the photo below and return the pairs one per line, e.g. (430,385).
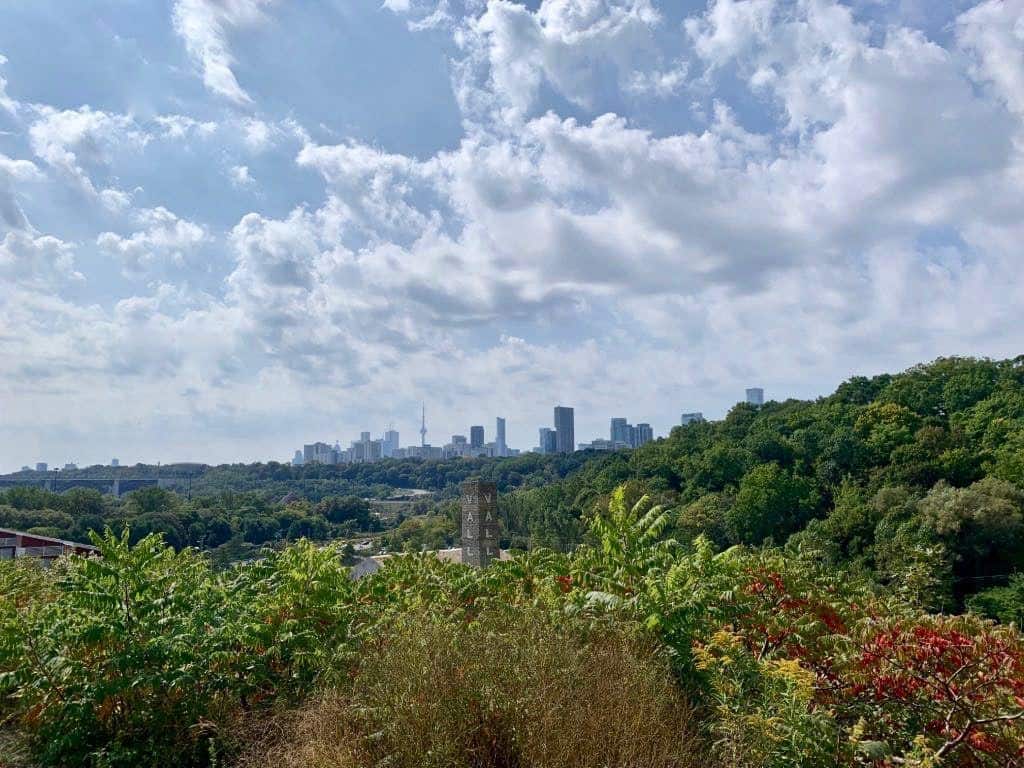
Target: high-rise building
(644,434)
(755,396)
(297,459)
(390,443)
(691,418)
(501,447)
(41,466)
(619,432)
(565,437)
(476,437)
(547,440)
(115,463)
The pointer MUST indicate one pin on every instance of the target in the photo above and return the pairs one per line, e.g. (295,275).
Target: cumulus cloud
(561,44)
(204,25)
(71,140)
(240,176)
(11,172)
(993,32)
(6,102)
(42,261)
(165,240)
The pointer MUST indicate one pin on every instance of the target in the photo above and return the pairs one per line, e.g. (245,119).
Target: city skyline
(622,435)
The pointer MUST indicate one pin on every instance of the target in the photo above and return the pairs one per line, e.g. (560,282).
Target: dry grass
(443,695)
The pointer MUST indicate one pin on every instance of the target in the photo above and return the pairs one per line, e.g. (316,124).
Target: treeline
(231,525)
(927,465)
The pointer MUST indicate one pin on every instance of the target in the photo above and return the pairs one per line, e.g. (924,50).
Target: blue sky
(228,227)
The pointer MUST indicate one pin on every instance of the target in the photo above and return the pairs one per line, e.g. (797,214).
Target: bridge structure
(114,486)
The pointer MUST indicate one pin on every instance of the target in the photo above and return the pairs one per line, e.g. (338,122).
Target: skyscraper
(565,437)
(390,442)
(755,396)
(476,437)
(547,440)
(644,434)
(499,439)
(691,418)
(619,431)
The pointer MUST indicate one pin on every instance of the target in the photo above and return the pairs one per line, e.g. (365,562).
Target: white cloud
(240,177)
(6,102)
(993,32)
(36,261)
(205,25)
(181,126)
(559,44)
(165,240)
(71,139)
(12,171)
(659,83)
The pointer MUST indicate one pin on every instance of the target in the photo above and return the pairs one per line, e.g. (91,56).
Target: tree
(770,503)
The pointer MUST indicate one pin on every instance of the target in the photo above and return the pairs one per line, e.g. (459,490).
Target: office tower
(547,440)
(565,437)
(619,431)
(476,437)
(390,443)
(364,437)
(755,396)
(644,434)
(691,418)
(41,466)
(501,448)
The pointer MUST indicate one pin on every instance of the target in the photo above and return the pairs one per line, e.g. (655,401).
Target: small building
(45,548)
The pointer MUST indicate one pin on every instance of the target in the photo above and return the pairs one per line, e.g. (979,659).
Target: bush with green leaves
(142,655)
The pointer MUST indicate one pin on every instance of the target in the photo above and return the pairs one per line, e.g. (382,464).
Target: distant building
(390,443)
(547,440)
(117,462)
(755,396)
(70,466)
(691,418)
(26,468)
(297,459)
(45,548)
(644,435)
(600,444)
(499,439)
(476,437)
(319,453)
(42,466)
(565,436)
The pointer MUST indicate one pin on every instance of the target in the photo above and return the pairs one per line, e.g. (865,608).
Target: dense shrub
(512,688)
